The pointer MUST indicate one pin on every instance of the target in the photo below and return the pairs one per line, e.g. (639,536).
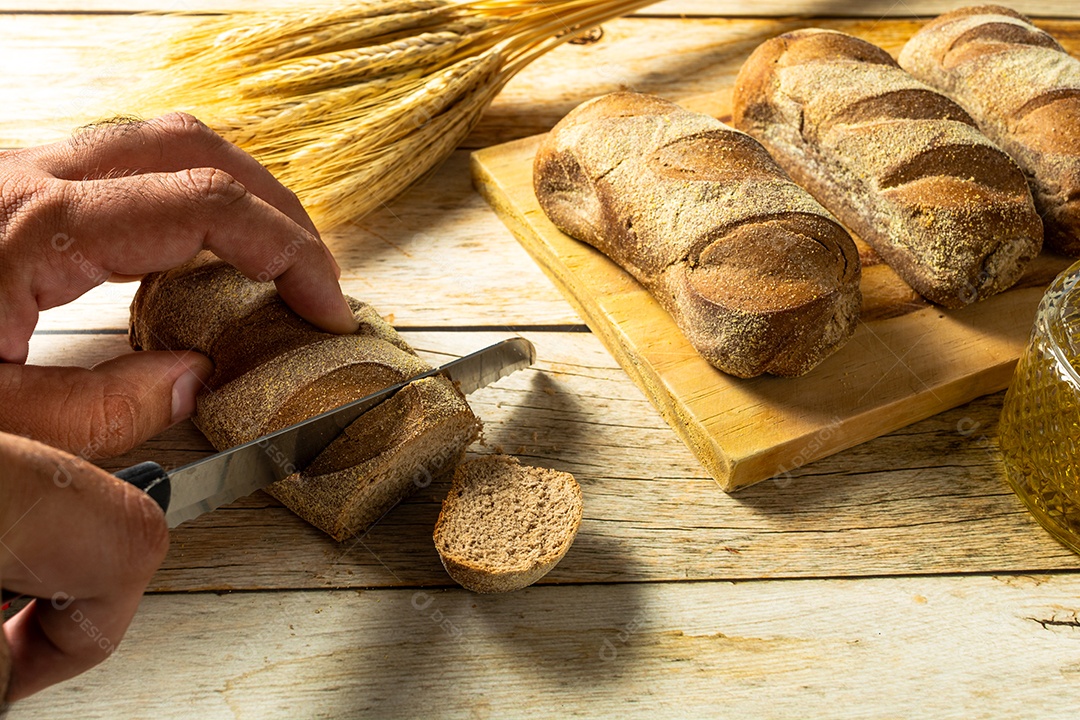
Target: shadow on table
(546,639)
(957,451)
(543,643)
(528,424)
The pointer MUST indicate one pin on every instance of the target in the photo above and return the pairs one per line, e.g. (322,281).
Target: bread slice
(504,525)
(417,436)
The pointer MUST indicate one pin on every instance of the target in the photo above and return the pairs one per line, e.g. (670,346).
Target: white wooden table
(900,578)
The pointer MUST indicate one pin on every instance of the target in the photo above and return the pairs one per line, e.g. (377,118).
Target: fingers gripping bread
(755,272)
(898,163)
(272,369)
(1023,89)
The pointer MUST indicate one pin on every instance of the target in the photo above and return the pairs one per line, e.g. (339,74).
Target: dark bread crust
(759,277)
(1023,89)
(901,165)
(273,369)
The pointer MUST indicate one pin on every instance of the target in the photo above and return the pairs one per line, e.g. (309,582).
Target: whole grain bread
(901,165)
(758,276)
(1023,89)
(273,369)
(504,525)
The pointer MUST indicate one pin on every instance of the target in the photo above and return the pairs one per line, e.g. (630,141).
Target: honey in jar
(1040,423)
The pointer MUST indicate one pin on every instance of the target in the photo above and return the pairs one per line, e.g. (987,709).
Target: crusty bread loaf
(504,525)
(1023,89)
(273,369)
(900,164)
(759,277)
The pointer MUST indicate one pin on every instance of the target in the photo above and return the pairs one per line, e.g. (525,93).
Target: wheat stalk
(348,66)
(350,105)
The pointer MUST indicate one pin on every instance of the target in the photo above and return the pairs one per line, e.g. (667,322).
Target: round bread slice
(504,525)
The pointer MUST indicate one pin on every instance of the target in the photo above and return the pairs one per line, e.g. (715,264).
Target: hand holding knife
(203,485)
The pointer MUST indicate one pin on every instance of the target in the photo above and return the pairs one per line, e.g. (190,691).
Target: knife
(199,487)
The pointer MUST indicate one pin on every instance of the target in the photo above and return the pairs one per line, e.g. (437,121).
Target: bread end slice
(399,446)
(504,525)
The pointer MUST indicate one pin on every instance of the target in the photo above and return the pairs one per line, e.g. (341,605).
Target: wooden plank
(931,498)
(942,647)
(59,70)
(899,367)
(57,66)
(875,9)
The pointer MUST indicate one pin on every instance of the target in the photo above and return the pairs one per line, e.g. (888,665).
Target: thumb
(18,318)
(102,411)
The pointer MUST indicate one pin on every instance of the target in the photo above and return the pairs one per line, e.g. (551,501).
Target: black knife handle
(152,479)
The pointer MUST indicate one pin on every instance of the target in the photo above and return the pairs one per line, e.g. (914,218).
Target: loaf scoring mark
(1054,140)
(809,95)
(801,267)
(905,104)
(934,38)
(1050,97)
(977,53)
(816,45)
(1007,31)
(981,165)
(762,198)
(994,89)
(607,171)
(712,156)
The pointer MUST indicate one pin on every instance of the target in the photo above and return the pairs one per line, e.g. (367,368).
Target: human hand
(121,200)
(116,202)
(69,529)
(82,542)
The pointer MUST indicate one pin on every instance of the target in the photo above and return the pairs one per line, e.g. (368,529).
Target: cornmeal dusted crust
(898,163)
(758,276)
(1023,89)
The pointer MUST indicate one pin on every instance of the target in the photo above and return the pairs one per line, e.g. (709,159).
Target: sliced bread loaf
(504,525)
(272,369)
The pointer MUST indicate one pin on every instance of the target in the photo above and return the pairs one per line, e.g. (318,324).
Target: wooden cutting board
(907,360)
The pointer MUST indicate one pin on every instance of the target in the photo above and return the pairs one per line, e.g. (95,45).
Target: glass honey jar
(1040,423)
